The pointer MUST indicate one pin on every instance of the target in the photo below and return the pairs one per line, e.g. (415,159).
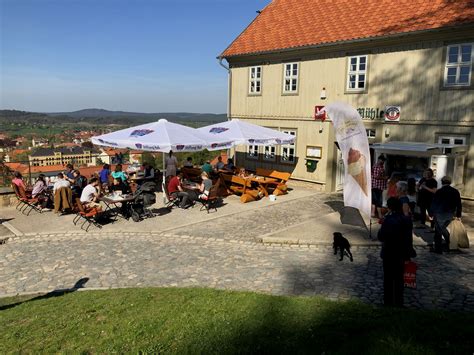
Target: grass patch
(193,320)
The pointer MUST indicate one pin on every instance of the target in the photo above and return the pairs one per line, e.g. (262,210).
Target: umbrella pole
(163,183)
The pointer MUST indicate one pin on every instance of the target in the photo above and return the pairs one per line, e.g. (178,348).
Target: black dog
(343,245)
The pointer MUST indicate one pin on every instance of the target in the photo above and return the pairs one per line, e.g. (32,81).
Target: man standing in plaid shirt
(379,183)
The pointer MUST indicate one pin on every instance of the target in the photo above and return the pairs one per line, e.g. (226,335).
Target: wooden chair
(89,215)
(211,200)
(25,204)
(242,187)
(172,201)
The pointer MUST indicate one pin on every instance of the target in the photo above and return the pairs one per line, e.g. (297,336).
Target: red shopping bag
(409,275)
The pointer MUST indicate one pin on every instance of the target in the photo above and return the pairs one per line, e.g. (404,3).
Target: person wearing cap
(445,206)
(379,183)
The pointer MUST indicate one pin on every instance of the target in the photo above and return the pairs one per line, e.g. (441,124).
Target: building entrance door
(339,172)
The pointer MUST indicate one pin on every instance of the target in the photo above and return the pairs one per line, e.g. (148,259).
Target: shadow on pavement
(56,293)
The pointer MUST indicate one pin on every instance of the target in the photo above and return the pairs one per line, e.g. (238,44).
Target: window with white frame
(290,77)
(370,133)
(357,73)
(252,152)
(288,151)
(458,65)
(255,80)
(269,152)
(457,140)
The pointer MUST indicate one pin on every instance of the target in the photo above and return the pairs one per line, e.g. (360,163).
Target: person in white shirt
(90,194)
(189,163)
(61,182)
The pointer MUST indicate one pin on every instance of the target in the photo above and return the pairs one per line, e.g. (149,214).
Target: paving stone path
(46,262)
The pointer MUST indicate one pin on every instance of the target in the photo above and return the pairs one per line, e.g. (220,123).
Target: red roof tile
(285,24)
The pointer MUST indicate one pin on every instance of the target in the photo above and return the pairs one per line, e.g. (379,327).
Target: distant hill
(100,116)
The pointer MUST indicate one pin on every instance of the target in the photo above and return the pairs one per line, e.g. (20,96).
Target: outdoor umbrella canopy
(161,136)
(240,132)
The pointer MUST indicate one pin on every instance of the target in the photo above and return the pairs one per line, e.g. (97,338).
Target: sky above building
(128,55)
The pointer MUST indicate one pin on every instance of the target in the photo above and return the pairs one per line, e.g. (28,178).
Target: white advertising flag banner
(352,140)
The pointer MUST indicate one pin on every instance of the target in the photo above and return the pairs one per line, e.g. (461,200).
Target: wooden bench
(279,187)
(192,174)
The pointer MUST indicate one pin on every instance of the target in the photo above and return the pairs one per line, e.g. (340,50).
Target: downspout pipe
(229,93)
(229,86)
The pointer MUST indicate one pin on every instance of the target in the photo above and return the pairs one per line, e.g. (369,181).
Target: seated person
(189,163)
(119,185)
(207,167)
(39,187)
(80,182)
(18,180)
(90,195)
(119,173)
(148,171)
(104,174)
(205,186)
(69,174)
(175,190)
(242,173)
(230,165)
(219,165)
(60,182)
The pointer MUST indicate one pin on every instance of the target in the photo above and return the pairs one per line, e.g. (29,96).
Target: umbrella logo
(251,140)
(180,147)
(141,132)
(278,141)
(217,130)
(138,145)
(101,140)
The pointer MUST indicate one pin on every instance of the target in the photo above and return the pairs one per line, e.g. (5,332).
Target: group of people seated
(187,197)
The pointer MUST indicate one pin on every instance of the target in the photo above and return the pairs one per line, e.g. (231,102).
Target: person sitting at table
(90,195)
(205,186)
(104,175)
(39,187)
(219,165)
(175,190)
(243,173)
(119,185)
(118,173)
(230,165)
(39,191)
(148,171)
(207,167)
(69,174)
(80,182)
(62,194)
(189,163)
(60,182)
(18,180)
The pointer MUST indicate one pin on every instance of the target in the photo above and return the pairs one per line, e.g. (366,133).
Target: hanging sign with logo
(319,113)
(392,114)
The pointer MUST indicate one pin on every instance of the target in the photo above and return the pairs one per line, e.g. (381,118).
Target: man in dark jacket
(446,205)
(396,236)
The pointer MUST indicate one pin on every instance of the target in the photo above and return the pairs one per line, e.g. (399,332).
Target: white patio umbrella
(161,136)
(240,132)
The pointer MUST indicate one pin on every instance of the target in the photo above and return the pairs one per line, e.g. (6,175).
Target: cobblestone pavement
(46,262)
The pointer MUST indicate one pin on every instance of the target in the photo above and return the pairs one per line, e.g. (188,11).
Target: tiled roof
(286,24)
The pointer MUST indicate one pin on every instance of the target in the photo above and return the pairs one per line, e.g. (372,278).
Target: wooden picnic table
(262,183)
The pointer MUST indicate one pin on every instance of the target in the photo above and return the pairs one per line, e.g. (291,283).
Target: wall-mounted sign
(319,114)
(314,151)
(370,113)
(392,114)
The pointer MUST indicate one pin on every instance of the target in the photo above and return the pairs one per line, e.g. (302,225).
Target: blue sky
(129,55)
